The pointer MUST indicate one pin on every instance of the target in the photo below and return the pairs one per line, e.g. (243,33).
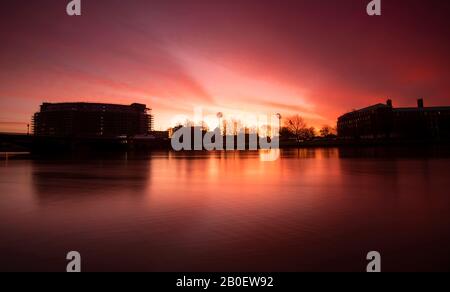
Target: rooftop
(420,107)
(86,106)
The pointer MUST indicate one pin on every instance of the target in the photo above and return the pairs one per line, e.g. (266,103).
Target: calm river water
(310,210)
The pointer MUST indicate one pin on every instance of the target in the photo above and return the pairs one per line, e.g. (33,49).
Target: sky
(316,58)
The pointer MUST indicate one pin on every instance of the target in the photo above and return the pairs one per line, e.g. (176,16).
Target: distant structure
(385,121)
(95,120)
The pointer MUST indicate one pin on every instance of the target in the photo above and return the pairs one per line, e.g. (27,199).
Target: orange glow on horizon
(221,56)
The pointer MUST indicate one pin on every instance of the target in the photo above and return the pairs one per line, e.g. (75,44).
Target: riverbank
(19,143)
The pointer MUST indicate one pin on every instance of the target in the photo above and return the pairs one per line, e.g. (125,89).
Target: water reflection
(63,179)
(430,151)
(312,209)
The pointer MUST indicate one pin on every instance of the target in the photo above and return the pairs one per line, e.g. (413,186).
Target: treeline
(295,127)
(290,128)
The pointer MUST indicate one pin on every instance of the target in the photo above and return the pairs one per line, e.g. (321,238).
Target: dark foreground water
(311,210)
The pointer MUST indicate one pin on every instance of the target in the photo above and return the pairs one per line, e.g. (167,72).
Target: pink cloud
(317,58)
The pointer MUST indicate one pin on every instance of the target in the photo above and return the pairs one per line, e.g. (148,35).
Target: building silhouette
(92,120)
(386,121)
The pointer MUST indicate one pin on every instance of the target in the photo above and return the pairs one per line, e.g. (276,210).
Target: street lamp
(279,123)
(219,116)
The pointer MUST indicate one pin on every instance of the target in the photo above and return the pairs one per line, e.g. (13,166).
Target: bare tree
(309,133)
(327,131)
(297,126)
(188,123)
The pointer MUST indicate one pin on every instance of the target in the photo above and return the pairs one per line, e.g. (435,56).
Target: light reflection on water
(312,209)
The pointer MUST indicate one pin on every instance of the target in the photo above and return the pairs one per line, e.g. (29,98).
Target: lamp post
(219,116)
(279,123)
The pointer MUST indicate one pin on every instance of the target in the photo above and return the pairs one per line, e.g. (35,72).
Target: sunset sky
(318,58)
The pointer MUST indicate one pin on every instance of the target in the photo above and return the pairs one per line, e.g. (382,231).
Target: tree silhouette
(327,131)
(297,126)
(309,133)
